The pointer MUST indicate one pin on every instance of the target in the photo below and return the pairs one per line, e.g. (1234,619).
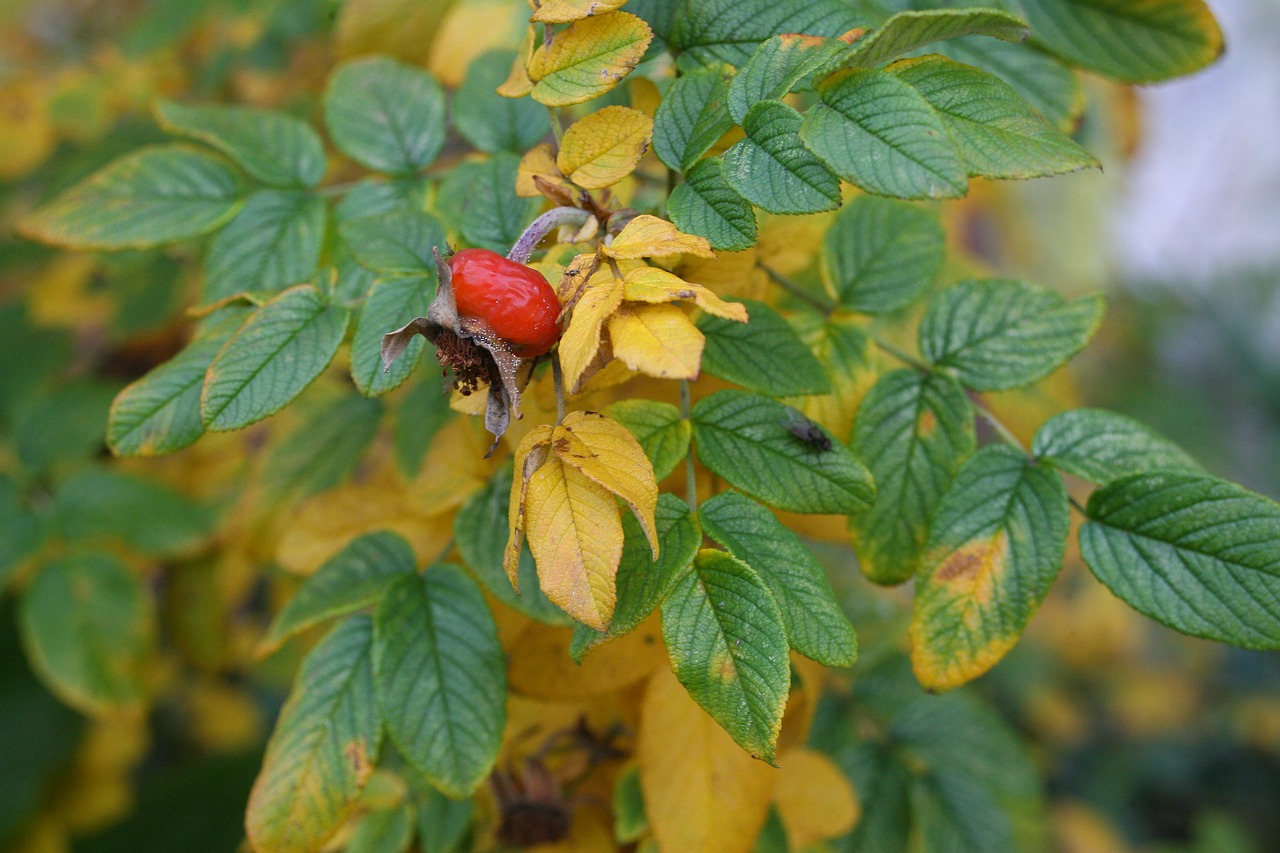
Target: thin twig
(805,295)
(541,227)
(902,356)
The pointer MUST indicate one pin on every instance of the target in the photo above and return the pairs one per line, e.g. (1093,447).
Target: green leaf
(480,531)
(707,206)
(324,746)
(396,242)
(642,581)
(588,58)
(728,647)
(479,199)
(275,148)
(880,255)
(323,450)
(1196,553)
(1100,446)
(353,579)
(879,133)
(777,65)
(20,532)
(272,358)
(157,195)
(160,413)
(442,822)
(64,427)
(998,133)
(694,113)
(994,334)
(441,677)
(764,355)
(383,831)
(745,439)
(87,624)
(1134,41)
(908,31)
(630,821)
(1052,88)
(913,431)
(489,121)
(391,303)
(274,242)
(385,115)
(716,31)
(371,197)
(994,549)
(423,410)
(100,505)
(773,170)
(663,434)
(816,628)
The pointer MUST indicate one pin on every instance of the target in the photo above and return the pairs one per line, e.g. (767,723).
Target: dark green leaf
(421,413)
(87,625)
(913,431)
(396,242)
(489,121)
(391,304)
(1048,85)
(97,504)
(662,433)
(442,822)
(745,438)
(994,334)
(1099,446)
(1197,553)
(764,355)
(479,199)
(372,197)
(714,31)
(776,66)
(274,242)
(908,31)
(65,427)
(707,206)
(773,170)
(383,831)
(694,113)
(879,255)
(353,579)
(273,147)
(874,130)
(728,646)
(20,532)
(815,626)
(441,677)
(630,821)
(153,196)
(385,115)
(272,358)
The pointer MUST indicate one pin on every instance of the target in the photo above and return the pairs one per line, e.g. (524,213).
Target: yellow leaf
(658,340)
(538,662)
(788,244)
(568,11)
(454,467)
(814,799)
(26,132)
(650,284)
(650,237)
(529,457)
(702,791)
(645,96)
(540,161)
(728,274)
(588,58)
(575,533)
(604,147)
(468,30)
(609,454)
(581,339)
(518,84)
(404,29)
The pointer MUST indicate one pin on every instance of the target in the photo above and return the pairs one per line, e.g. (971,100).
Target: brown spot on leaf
(358,757)
(927,424)
(790,40)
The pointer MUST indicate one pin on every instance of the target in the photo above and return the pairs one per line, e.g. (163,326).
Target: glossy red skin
(515,300)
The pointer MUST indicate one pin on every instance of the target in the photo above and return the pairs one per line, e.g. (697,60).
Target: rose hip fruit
(516,301)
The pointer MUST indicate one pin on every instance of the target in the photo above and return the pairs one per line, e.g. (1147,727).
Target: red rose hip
(516,301)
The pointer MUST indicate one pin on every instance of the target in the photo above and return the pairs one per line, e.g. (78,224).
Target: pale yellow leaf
(728,274)
(702,791)
(27,135)
(529,456)
(454,468)
(568,11)
(645,96)
(609,454)
(538,662)
(469,29)
(581,339)
(588,58)
(650,237)
(604,147)
(814,799)
(539,160)
(658,340)
(518,84)
(789,244)
(575,533)
(650,284)
(405,29)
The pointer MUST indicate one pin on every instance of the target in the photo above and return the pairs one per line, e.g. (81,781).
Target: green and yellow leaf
(604,147)
(588,58)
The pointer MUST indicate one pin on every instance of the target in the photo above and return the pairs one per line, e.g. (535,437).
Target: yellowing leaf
(658,340)
(814,799)
(404,29)
(650,237)
(581,340)
(588,58)
(609,454)
(650,284)
(568,11)
(26,132)
(604,147)
(538,662)
(702,791)
(575,533)
(518,84)
(529,456)
(468,30)
(539,161)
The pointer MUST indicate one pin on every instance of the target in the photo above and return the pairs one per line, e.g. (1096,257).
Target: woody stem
(541,227)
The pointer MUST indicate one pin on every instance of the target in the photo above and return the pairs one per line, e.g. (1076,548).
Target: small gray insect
(808,432)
